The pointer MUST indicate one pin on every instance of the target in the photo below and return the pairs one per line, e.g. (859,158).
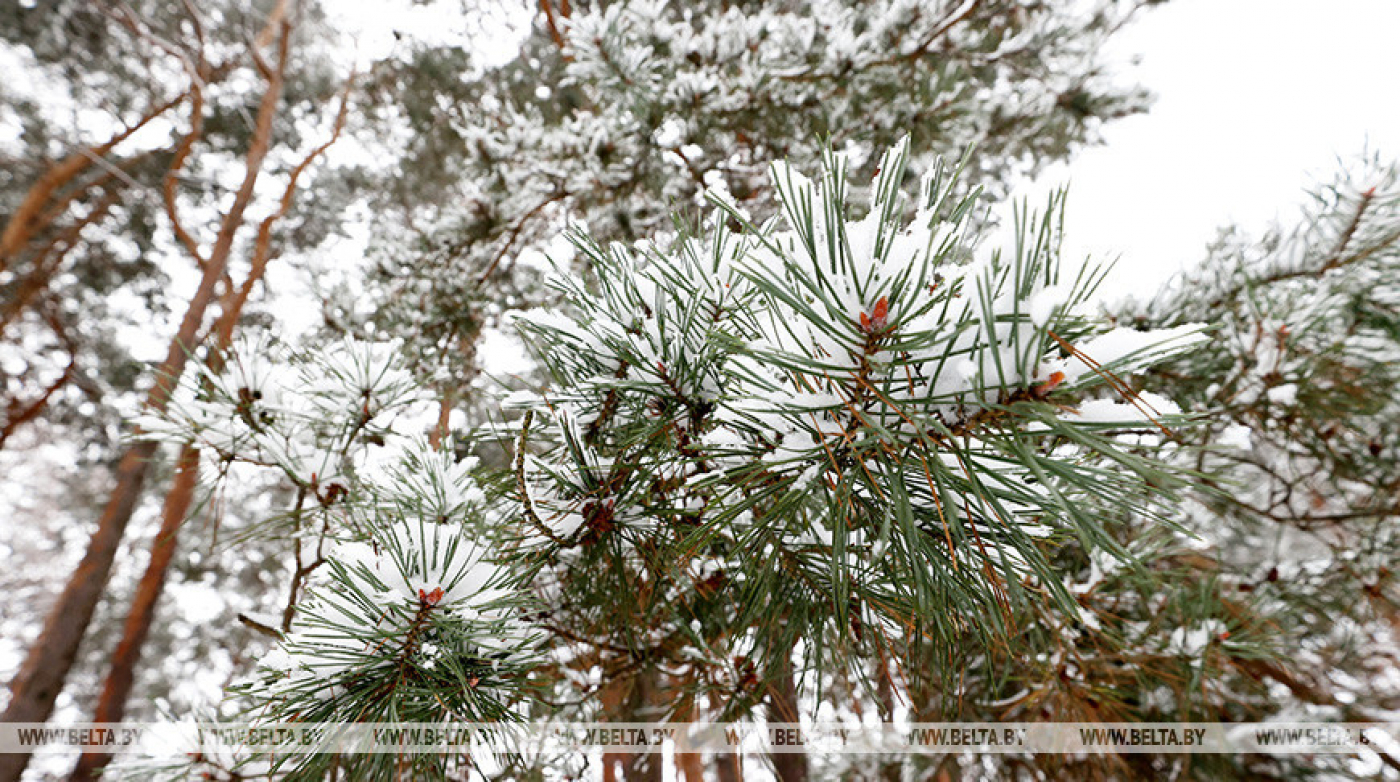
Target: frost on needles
(843,433)
(842,426)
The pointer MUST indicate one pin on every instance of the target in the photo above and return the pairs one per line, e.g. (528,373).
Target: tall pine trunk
(729,766)
(35,688)
(121,677)
(890,770)
(111,705)
(783,707)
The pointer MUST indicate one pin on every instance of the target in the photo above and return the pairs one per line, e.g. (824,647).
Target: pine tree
(120,195)
(1297,391)
(85,227)
(791,452)
(408,620)
(615,115)
(839,432)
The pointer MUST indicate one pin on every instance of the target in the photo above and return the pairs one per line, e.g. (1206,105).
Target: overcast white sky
(1256,100)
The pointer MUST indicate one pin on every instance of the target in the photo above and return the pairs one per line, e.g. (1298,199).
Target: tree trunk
(41,677)
(690,766)
(121,675)
(643,766)
(36,686)
(783,707)
(630,700)
(890,770)
(729,766)
(44,197)
(111,706)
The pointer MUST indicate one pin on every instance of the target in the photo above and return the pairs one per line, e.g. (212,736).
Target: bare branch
(23,223)
(262,246)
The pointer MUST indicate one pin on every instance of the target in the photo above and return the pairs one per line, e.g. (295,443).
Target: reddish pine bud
(430,598)
(878,319)
(1043,389)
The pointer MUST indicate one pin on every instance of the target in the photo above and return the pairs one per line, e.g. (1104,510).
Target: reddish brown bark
(690,766)
(122,673)
(44,199)
(22,413)
(48,259)
(121,676)
(889,769)
(729,767)
(443,421)
(41,677)
(643,766)
(783,707)
(111,705)
(36,686)
(550,22)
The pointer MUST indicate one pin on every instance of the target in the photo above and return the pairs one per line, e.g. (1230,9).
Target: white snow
(1284,395)
(1236,436)
(1149,406)
(1191,641)
(1045,301)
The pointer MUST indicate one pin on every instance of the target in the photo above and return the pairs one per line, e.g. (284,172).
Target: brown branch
(1344,240)
(168,184)
(110,171)
(217,261)
(301,571)
(197,24)
(276,18)
(1336,259)
(570,635)
(262,245)
(46,263)
(199,73)
(111,706)
(253,624)
(41,677)
(1114,382)
(440,430)
(956,17)
(13,420)
(23,223)
(948,23)
(554,33)
(524,490)
(515,234)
